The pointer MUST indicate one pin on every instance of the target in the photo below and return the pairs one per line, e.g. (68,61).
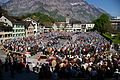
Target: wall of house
(34,23)
(90,26)
(5,36)
(76,25)
(18,30)
(55,27)
(5,20)
(30,30)
(116,25)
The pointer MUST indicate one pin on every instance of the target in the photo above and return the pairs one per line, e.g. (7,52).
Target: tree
(102,24)
(3,12)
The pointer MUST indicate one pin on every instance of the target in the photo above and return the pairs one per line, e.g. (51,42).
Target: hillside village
(14,27)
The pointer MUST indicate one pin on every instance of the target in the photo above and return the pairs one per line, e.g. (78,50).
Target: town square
(58,40)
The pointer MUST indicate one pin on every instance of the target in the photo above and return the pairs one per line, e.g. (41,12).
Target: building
(5,32)
(47,27)
(61,26)
(37,26)
(89,26)
(73,26)
(29,29)
(21,28)
(115,22)
(17,25)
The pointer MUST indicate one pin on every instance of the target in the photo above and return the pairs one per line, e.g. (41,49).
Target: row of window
(19,26)
(17,35)
(19,30)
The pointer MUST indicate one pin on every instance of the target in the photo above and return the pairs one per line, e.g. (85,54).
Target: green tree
(3,12)
(102,24)
(39,17)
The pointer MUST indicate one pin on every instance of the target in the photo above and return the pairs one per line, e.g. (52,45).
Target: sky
(110,6)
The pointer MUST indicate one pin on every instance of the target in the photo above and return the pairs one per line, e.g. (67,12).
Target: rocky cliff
(77,9)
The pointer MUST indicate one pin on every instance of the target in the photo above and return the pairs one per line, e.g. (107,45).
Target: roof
(14,19)
(32,19)
(17,20)
(48,25)
(36,19)
(76,22)
(27,23)
(4,26)
(88,23)
(60,23)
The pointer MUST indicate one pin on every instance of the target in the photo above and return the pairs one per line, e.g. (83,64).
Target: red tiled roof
(48,25)
(59,23)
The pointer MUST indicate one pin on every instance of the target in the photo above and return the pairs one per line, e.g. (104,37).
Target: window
(5,19)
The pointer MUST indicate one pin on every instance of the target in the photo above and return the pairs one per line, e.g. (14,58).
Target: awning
(27,53)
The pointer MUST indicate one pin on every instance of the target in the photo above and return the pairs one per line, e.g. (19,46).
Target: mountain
(77,9)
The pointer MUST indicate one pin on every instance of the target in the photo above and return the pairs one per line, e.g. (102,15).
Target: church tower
(67,19)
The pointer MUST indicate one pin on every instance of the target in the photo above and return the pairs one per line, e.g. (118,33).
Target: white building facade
(38,28)
(18,26)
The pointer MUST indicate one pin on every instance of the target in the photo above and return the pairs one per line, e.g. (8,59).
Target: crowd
(90,66)
(56,42)
(33,43)
(85,57)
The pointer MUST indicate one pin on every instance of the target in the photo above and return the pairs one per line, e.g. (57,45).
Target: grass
(115,40)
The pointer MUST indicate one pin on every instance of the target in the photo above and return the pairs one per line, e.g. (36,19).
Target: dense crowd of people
(60,43)
(87,56)
(90,66)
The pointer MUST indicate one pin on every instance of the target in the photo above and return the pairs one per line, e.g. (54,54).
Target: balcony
(19,28)
(5,38)
(2,33)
